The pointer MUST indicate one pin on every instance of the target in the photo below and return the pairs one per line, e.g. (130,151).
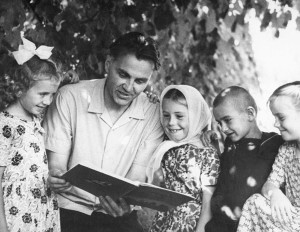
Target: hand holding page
(100,183)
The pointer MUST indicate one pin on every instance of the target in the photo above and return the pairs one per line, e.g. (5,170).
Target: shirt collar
(135,110)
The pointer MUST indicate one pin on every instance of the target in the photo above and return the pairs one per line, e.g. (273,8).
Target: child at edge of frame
(246,160)
(277,210)
(26,203)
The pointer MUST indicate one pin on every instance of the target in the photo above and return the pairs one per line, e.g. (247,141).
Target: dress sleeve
(276,176)
(211,167)
(6,134)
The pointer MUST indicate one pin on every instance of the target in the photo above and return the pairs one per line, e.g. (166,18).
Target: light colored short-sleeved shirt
(78,124)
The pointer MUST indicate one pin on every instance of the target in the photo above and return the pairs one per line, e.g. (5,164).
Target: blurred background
(209,44)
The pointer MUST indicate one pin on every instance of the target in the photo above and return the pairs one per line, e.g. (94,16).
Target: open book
(102,183)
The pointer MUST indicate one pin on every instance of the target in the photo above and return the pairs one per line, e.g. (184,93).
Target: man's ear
(108,62)
(251,113)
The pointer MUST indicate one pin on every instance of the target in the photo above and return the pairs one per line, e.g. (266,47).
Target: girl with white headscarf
(187,166)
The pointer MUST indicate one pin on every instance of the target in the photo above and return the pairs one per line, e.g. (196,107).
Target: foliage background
(203,43)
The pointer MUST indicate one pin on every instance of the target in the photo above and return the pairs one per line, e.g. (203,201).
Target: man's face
(233,122)
(127,78)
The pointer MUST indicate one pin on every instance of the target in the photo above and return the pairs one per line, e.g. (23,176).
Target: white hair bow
(28,50)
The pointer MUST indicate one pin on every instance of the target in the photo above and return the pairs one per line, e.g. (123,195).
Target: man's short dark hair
(240,97)
(137,44)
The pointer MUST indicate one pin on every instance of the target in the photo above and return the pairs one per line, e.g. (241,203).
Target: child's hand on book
(56,183)
(114,208)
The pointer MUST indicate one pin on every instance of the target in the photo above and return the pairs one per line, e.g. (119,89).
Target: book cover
(135,193)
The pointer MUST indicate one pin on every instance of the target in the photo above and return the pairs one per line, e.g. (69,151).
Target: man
(108,124)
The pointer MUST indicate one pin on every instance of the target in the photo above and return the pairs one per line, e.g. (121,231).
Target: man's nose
(128,86)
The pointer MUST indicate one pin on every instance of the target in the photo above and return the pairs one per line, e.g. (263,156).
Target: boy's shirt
(245,166)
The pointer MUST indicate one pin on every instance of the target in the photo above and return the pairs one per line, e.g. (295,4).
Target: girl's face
(286,118)
(175,119)
(38,96)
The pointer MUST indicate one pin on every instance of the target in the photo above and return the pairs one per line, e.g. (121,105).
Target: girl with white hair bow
(26,203)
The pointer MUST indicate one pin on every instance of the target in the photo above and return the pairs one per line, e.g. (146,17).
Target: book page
(151,196)
(99,183)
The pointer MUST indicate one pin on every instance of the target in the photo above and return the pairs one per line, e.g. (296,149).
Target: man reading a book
(110,125)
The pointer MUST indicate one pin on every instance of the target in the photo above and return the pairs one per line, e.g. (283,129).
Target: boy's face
(127,78)
(233,122)
(286,118)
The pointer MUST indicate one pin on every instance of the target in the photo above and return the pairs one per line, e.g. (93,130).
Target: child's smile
(286,118)
(175,120)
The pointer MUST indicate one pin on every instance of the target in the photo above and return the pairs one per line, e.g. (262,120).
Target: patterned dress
(29,205)
(256,215)
(186,168)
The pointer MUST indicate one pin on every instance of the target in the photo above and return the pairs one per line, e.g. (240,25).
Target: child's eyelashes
(179,117)
(227,120)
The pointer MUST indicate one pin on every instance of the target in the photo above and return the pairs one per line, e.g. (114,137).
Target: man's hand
(113,208)
(208,137)
(153,98)
(57,183)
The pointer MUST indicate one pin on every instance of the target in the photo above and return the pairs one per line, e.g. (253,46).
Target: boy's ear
(251,113)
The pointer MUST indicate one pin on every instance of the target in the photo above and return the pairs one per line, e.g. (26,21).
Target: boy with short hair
(247,158)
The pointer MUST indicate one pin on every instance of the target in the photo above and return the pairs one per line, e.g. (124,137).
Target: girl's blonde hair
(22,77)
(291,90)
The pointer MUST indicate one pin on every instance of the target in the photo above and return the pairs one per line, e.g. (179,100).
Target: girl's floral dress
(186,169)
(256,214)
(29,205)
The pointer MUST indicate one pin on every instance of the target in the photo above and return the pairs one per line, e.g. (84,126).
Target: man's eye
(121,74)
(140,82)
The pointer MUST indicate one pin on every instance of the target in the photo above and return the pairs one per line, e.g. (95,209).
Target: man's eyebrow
(128,75)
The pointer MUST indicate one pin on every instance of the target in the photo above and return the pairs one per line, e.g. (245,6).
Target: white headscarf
(199,117)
